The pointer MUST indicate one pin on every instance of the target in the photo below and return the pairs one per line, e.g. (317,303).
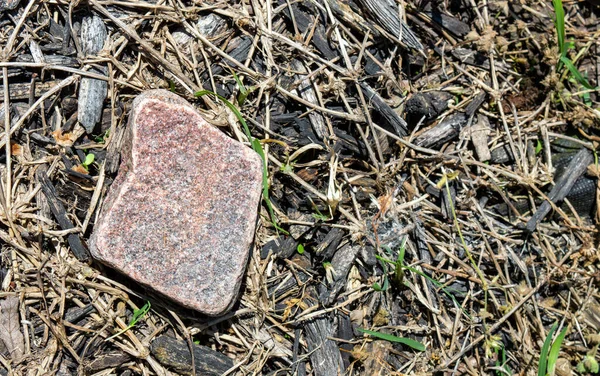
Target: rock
(181,213)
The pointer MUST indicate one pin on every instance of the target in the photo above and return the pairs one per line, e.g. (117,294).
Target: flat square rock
(180,216)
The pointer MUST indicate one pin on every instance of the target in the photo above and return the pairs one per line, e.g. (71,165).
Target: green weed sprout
(564,61)
(89,159)
(101,139)
(318,215)
(550,350)
(386,284)
(589,364)
(399,268)
(138,314)
(244,91)
(501,362)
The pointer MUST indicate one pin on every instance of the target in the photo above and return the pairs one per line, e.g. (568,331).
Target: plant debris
(430,189)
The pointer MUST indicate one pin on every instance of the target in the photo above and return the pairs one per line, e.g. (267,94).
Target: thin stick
(8,186)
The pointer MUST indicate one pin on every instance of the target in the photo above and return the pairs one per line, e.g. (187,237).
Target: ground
(431,193)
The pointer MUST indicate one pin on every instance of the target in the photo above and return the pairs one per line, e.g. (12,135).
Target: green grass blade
(243,91)
(559,22)
(377,287)
(233,109)
(538,147)
(385,286)
(554,350)
(575,72)
(542,366)
(139,313)
(392,338)
(399,267)
(504,362)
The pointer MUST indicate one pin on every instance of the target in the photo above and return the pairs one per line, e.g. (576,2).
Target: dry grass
(346,182)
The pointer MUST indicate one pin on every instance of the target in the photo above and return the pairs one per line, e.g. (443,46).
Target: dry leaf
(593,170)
(79,168)
(68,138)
(10,329)
(63,139)
(15,149)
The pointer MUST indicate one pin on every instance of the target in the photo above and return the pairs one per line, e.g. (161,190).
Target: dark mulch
(433,179)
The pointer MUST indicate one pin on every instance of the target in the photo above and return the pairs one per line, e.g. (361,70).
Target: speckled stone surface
(180,216)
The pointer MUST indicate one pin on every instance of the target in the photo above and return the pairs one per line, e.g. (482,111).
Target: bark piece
(501,154)
(582,195)
(66,61)
(564,183)
(443,132)
(180,215)
(283,247)
(19,90)
(306,17)
(429,104)
(389,118)
(109,360)
(387,14)
(36,52)
(450,127)
(60,213)
(325,356)
(175,354)
(92,92)
(209,25)
(345,332)
(113,157)
(306,89)
(448,201)
(448,22)
(8,4)
(327,247)
(479,133)
(475,58)
(340,266)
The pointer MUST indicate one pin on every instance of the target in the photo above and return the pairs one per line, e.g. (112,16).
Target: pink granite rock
(180,216)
